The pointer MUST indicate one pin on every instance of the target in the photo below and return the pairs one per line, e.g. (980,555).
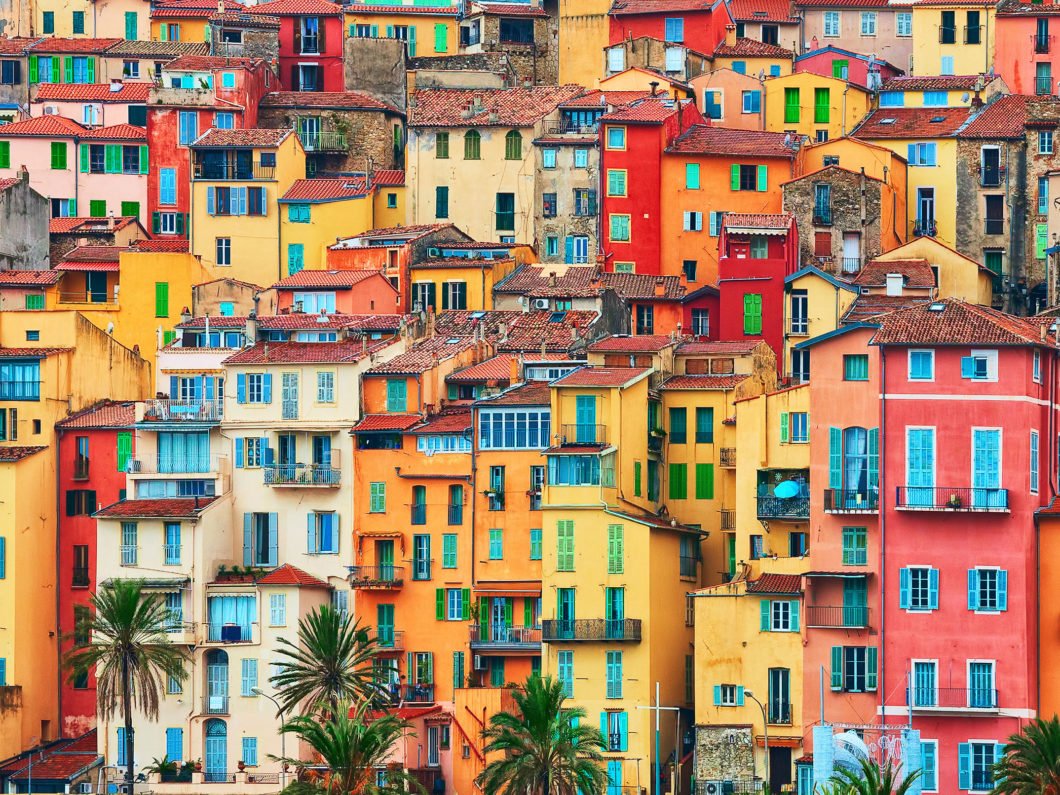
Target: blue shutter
(623,731)
(603,727)
(3,557)
(739,695)
(311,545)
(568,249)
(207,387)
(835,458)
(933,589)
(239,451)
(241,388)
(794,615)
(964,766)
(266,388)
(973,589)
(967,367)
(273,538)
(175,745)
(1002,590)
(121,745)
(764,606)
(903,588)
(248,539)
(874,459)
(210,202)
(3,671)
(174,387)
(717,695)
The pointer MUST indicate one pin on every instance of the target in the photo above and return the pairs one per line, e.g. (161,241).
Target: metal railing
(129,554)
(566,128)
(483,635)
(851,501)
(994,226)
(925,227)
(728,519)
(390,640)
(783,507)
(229,633)
(851,264)
(584,433)
(937,498)
(289,410)
(171,554)
(215,705)
(456,514)
(385,576)
(827,616)
(780,714)
(1043,86)
(174,465)
(191,410)
(822,218)
(80,577)
(418,513)
(1041,43)
(947,34)
(234,171)
(302,475)
(728,457)
(973,34)
(417,694)
(20,390)
(688,566)
(952,697)
(590,629)
(177,627)
(81,468)
(739,787)
(99,297)
(323,141)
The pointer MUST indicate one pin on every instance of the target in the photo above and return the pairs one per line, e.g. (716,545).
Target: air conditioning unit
(480,663)
(231,633)
(133,465)
(51,110)
(712,787)
(539,303)
(84,787)
(211,488)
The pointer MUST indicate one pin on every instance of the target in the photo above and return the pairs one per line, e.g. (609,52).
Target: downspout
(845,90)
(881,683)
(474,503)
(77,172)
(58,591)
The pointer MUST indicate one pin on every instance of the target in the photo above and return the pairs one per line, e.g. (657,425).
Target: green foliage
(870,780)
(1031,764)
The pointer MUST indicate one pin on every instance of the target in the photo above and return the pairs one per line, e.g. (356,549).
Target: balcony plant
(954,501)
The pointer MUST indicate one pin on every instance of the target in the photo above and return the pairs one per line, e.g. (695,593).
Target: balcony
(798,326)
(818,616)
(568,128)
(234,172)
(936,498)
(418,513)
(174,465)
(81,468)
(456,515)
(299,475)
(655,443)
(1043,86)
(952,699)
(973,34)
(391,642)
(230,633)
(215,705)
(851,264)
(947,34)
(584,433)
(20,390)
(728,520)
(193,410)
(501,637)
(779,713)
(728,458)
(783,507)
(590,629)
(925,227)
(381,578)
(322,141)
(1042,42)
(851,501)
(822,218)
(417,694)
(181,633)
(100,299)
(129,554)
(994,226)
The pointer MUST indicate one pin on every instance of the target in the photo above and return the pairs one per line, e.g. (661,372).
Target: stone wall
(537,63)
(376,67)
(24,217)
(724,753)
(562,181)
(258,42)
(369,136)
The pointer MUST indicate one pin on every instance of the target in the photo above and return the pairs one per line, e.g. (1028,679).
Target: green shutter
(636,478)
(763,178)
(124,449)
(821,103)
(465,603)
(439,604)
(783,427)
(734,176)
(161,299)
(84,158)
(143,159)
(1041,240)
(764,613)
(614,549)
(440,38)
(33,69)
(704,481)
(871,668)
(835,458)
(91,69)
(791,105)
(837,668)
(68,69)
(678,481)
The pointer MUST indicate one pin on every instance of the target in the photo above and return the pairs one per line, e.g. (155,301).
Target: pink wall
(819,62)
(1015,59)
(371,296)
(702,29)
(731,86)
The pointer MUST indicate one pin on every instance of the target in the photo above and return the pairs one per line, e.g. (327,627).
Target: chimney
(502,332)
(894,283)
(515,369)
(552,279)
(185,315)
(654,87)
(977,101)
(660,288)
(252,328)
(23,174)
(730,35)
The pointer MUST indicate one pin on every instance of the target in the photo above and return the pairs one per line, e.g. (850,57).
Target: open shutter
(1002,590)
(623,731)
(739,695)
(33,69)
(439,604)
(239,452)
(933,589)
(241,387)
(465,604)
(143,159)
(312,546)
(835,458)
(903,589)
(973,589)
(872,665)
(412,41)
(717,695)
(784,427)
(68,69)
(837,668)
(764,611)
(266,387)
(274,538)
(874,458)
(763,178)
(734,176)
(911,154)
(795,615)
(84,158)
(91,61)
(211,201)
(248,539)
(964,766)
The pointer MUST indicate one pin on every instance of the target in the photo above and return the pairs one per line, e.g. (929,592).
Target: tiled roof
(930,83)
(205,63)
(161,245)
(1004,117)
(44,126)
(955,323)
(297,8)
(719,347)
(845,3)
(52,44)
(757,220)
(244,20)
(8,182)
(869,307)
(174,8)
(386,422)
(500,107)
(530,330)
(776,583)
(389,178)
(658,6)
(409,232)
(528,393)
(291,575)
(31,353)
(158,49)
(322,190)
(761,11)
(496,368)
(642,286)
(219,322)
(302,320)
(9,454)
(175,507)
(827,171)
(59,762)
(28,278)
(659,522)
(456,421)
(390,322)
(653,110)
(242,137)
(93,92)
(422,356)
(87,225)
(751,48)
(357,8)
(93,254)
(332,100)
(1016,9)
(117,132)
(16,45)
(508,9)
(709,140)
(703,382)
(340,352)
(602,376)
(643,343)
(536,281)
(335,280)
(912,123)
(596,98)
(917,273)
(109,415)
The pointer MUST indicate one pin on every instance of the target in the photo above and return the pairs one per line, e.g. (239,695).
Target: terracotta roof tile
(507,9)
(641,343)
(602,376)
(335,280)
(930,83)
(323,190)
(703,382)
(340,352)
(218,322)
(386,422)
(332,100)
(1005,117)
(300,320)
(758,220)
(109,415)
(87,225)
(8,182)
(158,49)
(29,278)
(501,107)
(658,6)
(287,8)
(93,92)
(161,245)
(17,453)
(709,140)
(447,422)
(536,281)
(653,110)
(557,331)
(291,575)
(31,353)
(776,583)
(596,98)
(1016,9)
(719,347)
(528,393)
(869,308)
(410,232)
(242,137)
(117,132)
(845,3)
(642,286)
(761,11)
(52,44)
(206,63)
(183,508)
(16,45)
(390,322)
(93,254)
(955,323)
(496,368)
(178,7)
(43,126)
(423,356)
(912,123)
(751,48)
(388,178)
(244,20)
(917,273)
(358,8)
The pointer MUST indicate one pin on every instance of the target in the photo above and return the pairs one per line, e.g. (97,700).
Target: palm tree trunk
(126,699)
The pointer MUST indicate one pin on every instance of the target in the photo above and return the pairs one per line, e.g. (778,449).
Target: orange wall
(372,296)
(1049,614)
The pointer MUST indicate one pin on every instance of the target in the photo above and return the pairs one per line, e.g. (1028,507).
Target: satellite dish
(965,96)
(785,489)
(787,139)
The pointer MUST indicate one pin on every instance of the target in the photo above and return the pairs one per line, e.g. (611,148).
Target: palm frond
(1031,763)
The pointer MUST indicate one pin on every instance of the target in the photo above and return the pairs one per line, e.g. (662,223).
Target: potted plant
(241,765)
(955,501)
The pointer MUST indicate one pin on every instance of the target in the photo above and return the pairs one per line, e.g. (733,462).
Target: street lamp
(283,735)
(765,728)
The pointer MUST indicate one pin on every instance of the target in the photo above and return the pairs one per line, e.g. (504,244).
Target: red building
(93,448)
(633,139)
(866,71)
(696,24)
(310,44)
(176,116)
(757,252)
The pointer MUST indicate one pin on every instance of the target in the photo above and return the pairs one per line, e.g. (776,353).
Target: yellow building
(388,199)
(814,105)
(70,365)
(926,137)
(314,213)
(956,275)
(459,282)
(637,79)
(953,38)
(237,178)
(815,304)
(602,492)
(752,57)
(934,90)
(426,30)
(584,32)
(104,20)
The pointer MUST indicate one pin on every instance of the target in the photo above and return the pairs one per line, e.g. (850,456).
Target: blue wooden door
(216,750)
(920,466)
(585,417)
(986,478)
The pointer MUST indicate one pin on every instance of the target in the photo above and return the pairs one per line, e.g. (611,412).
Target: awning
(110,267)
(157,583)
(507,592)
(779,742)
(380,534)
(846,575)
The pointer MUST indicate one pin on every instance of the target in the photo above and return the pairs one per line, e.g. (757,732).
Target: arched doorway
(216,750)
(216,682)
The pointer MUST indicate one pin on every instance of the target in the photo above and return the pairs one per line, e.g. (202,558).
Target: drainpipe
(883,531)
(474,483)
(845,90)
(58,591)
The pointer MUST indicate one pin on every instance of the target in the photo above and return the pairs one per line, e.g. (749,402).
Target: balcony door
(585,417)
(986,463)
(779,695)
(925,209)
(215,749)
(500,618)
(217,682)
(96,287)
(856,464)
(384,558)
(309,131)
(615,611)
(851,252)
(920,466)
(565,612)
(289,395)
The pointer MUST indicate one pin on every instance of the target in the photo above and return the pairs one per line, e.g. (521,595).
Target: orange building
(347,292)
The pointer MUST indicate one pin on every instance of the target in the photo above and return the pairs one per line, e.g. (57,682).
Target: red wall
(712,303)
(330,61)
(819,62)
(1014,56)
(703,29)
(79,705)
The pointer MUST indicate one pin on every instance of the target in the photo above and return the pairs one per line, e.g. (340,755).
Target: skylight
(888,121)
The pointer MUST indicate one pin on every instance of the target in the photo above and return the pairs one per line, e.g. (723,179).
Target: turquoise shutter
(872,665)
(717,695)
(210,201)
(795,615)
(835,458)
(837,668)
(964,766)
(248,539)
(603,727)
(903,588)
(623,731)
(874,458)
(274,538)
(763,178)
(266,388)
(1002,590)
(3,557)
(312,545)
(933,589)
(764,609)
(973,589)
(175,745)
(241,388)
(239,452)
(739,695)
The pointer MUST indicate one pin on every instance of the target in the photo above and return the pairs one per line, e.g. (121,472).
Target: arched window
(472,145)
(513,146)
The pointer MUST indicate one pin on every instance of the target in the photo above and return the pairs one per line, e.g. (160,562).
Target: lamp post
(283,736)
(765,728)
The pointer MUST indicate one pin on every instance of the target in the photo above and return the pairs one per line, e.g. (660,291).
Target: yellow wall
(328,221)
(879,162)
(826,303)
(583,34)
(425,26)
(959,277)
(968,59)
(847,104)
(387,217)
(479,278)
(190,29)
(641,80)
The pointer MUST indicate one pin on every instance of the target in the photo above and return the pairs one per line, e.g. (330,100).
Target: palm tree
(130,652)
(1031,763)
(544,748)
(348,751)
(332,662)
(870,780)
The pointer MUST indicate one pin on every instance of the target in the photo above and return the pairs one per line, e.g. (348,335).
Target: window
(298,213)
(513,145)
(678,425)
(831,23)
(1045,142)
(704,481)
(987,590)
(472,145)
(903,23)
(496,550)
(975,763)
(780,615)
(565,671)
(822,205)
(619,228)
(759,247)
(505,212)
(854,668)
(585,203)
(892,99)
(980,366)
(995,214)
(48,23)
(614,674)
(675,29)
(616,59)
(277,610)
(614,549)
(565,545)
(581,158)
(616,137)
(856,367)
(693,221)
(678,481)
(798,427)
(323,532)
(616,182)
(325,387)
(791,106)
(868,23)
(752,314)
(250,751)
(1043,195)
(748,177)
(514,430)
(918,588)
(704,424)
(188,124)
(821,106)
(548,205)
(922,154)
(921,365)
(929,750)
(441,145)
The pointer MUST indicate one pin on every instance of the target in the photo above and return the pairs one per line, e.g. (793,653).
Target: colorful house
(866,71)
(428,30)
(311,43)
(14,62)
(676,62)
(911,91)
(389,199)
(141,61)
(697,24)
(753,57)
(186,20)
(1022,30)
(816,106)
(815,304)
(767,22)
(873,26)
(320,292)
(316,212)
(93,104)
(69,60)
(720,96)
(954,275)
(953,38)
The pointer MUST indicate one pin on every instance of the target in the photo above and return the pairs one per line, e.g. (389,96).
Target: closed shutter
(161,299)
(704,481)
(440,44)
(734,176)
(837,668)
(124,449)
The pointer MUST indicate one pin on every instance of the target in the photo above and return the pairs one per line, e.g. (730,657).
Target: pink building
(94,104)
(730,99)
(348,292)
(1026,48)
(96,171)
(862,70)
